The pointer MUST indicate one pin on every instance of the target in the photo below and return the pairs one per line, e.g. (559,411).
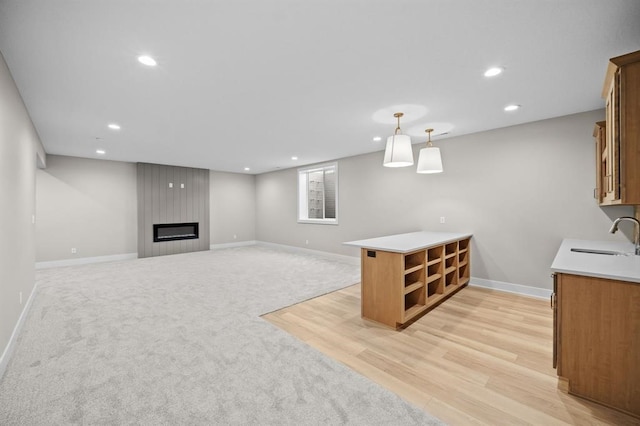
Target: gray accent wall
(520,190)
(88,205)
(171,194)
(233,207)
(20,153)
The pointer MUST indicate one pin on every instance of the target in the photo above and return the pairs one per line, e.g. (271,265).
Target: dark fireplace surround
(175,231)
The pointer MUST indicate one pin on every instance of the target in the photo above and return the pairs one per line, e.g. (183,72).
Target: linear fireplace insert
(175,231)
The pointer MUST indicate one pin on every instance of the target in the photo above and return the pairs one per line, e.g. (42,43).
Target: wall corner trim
(8,350)
(85,260)
(523,290)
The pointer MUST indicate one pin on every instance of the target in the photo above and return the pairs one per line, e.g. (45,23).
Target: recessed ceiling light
(377,139)
(246,169)
(100,151)
(147,60)
(492,72)
(511,107)
(114,126)
(294,158)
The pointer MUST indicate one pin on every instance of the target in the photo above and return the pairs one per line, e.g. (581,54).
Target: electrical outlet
(33,219)
(20,298)
(73,250)
(235,236)
(442,219)
(306,242)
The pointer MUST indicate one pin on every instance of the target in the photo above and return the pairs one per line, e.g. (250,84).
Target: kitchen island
(405,275)
(596,302)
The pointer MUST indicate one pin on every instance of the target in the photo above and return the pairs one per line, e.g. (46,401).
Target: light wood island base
(406,275)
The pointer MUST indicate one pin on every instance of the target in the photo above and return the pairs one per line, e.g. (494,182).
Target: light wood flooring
(482,357)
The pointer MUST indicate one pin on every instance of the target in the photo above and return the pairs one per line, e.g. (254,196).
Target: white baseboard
(524,290)
(8,350)
(340,257)
(85,260)
(229,245)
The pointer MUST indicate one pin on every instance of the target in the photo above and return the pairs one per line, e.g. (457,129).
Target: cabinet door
(611,153)
(599,133)
(599,349)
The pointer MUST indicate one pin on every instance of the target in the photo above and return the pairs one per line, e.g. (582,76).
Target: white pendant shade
(430,160)
(398,152)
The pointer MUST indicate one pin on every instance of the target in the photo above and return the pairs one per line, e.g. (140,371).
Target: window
(318,194)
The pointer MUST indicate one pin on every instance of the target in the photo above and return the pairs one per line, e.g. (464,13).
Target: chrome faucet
(636,235)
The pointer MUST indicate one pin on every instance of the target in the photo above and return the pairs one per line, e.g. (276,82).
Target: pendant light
(430,160)
(398,152)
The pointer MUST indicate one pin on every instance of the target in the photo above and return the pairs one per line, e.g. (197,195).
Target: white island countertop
(406,243)
(625,267)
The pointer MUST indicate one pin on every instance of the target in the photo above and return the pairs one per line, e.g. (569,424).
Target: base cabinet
(597,338)
(399,287)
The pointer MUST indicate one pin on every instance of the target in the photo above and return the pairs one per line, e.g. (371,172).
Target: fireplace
(175,231)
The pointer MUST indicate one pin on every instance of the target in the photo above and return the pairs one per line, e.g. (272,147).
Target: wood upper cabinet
(597,339)
(618,139)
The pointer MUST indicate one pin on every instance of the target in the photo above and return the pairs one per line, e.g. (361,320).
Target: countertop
(406,243)
(623,268)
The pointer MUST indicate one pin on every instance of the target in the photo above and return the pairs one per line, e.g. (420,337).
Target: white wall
(91,205)
(519,190)
(19,148)
(86,204)
(233,207)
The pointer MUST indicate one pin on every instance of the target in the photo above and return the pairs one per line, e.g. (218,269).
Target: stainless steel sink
(594,251)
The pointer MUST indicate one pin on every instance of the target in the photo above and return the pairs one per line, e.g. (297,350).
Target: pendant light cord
(398,115)
(429,144)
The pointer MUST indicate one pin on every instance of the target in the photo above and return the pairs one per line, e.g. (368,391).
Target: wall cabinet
(596,339)
(399,287)
(618,139)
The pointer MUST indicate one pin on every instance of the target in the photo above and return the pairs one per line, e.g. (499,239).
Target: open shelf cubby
(414,302)
(463,257)
(434,269)
(413,261)
(435,288)
(450,249)
(434,254)
(450,264)
(413,279)
(451,279)
(464,273)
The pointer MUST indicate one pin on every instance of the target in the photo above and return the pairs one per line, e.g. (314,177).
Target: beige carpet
(178,340)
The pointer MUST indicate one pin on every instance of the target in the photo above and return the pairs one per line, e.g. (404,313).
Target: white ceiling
(251,83)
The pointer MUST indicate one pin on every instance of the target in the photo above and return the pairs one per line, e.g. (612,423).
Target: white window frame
(303,194)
